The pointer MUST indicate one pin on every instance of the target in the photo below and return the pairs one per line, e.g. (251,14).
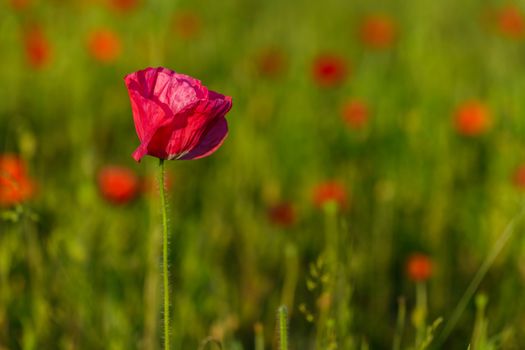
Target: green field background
(78,272)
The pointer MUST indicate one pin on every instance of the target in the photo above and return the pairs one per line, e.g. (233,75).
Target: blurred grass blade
(474,284)
(259,336)
(209,342)
(400,324)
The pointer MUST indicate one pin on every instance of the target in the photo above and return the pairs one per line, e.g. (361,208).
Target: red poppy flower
(519,177)
(187,24)
(330,191)
(15,186)
(37,47)
(123,5)
(329,70)
(270,62)
(104,45)
(378,31)
(282,214)
(118,185)
(510,22)
(419,267)
(355,114)
(472,118)
(176,117)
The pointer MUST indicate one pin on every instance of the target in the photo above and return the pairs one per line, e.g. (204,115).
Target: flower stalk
(165,270)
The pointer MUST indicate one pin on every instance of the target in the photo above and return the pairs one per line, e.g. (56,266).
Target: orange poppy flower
(15,186)
(104,45)
(378,31)
(355,114)
(472,118)
(118,185)
(328,192)
(419,267)
(510,22)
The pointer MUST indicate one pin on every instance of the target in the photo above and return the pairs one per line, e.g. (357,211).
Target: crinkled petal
(210,141)
(205,113)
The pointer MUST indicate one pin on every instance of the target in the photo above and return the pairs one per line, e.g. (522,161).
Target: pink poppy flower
(176,117)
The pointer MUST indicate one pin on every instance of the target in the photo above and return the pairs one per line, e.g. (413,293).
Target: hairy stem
(165,273)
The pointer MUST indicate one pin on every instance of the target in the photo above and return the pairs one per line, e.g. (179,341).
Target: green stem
(165,273)
(421,309)
(401,313)
(283,328)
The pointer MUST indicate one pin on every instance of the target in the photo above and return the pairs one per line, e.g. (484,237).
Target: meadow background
(361,133)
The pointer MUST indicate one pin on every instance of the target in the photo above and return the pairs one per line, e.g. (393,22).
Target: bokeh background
(376,154)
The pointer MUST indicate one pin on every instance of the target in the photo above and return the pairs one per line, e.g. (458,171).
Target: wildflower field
(369,194)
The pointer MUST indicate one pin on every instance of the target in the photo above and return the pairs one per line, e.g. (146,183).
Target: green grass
(77,272)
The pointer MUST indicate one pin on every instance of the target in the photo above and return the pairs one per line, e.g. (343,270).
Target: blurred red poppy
(37,47)
(19,5)
(123,6)
(510,22)
(118,185)
(329,70)
(15,185)
(282,214)
(176,117)
(419,267)
(187,24)
(378,31)
(270,62)
(519,177)
(472,118)
(104,45)
(355,113)
(330,192)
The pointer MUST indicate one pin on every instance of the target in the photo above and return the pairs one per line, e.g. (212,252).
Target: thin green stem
(283,328)
(421,309)
(400,325)
(165,273)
